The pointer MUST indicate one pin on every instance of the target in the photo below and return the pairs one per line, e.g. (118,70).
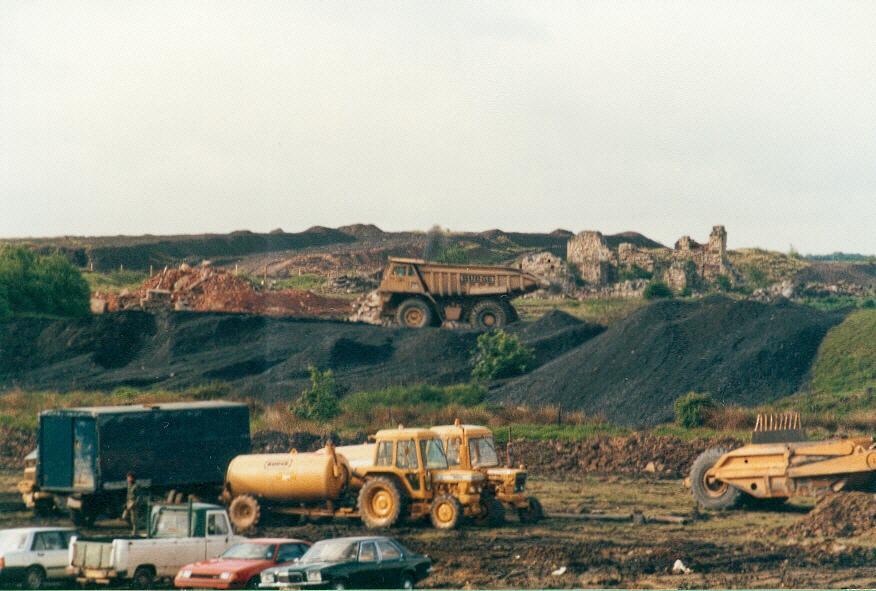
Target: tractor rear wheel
(446,512)
(709,492)
(244,512)
(492,513)
(380,503)
(414,313)
(488,314)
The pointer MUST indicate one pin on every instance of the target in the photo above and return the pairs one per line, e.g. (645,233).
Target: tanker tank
(289,477)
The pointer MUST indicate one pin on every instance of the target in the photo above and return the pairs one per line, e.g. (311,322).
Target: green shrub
(633,272)
(50,284)
(722,282)
(692,409)
(500,355)
(455,254)
(868,304)
(5,309)
(657,289)
(321,401)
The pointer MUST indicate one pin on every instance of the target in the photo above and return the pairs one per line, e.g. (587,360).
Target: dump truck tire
(245,513)
(414,313)
(492,513)
(446,512)
(488,314)
(712,495)
(533,513)
(380,503)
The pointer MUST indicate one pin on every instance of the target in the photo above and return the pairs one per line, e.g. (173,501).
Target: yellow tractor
(472,447)
(780,463)
(403,475)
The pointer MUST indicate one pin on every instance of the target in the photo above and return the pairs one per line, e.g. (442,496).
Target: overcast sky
(666,118)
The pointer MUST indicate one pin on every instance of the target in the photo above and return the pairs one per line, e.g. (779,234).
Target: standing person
(132,504)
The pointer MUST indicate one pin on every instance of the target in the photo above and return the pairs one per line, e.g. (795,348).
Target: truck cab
(472,447)
(177,535)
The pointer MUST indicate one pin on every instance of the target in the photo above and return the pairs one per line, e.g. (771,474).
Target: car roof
(38,529)
(356,539)
(277,541)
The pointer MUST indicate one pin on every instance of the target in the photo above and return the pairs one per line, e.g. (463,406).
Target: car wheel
(35,578)
(407,581)
(339,585)
(253,583)
(143,578)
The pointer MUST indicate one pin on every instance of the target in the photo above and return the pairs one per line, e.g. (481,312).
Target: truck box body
(91,449)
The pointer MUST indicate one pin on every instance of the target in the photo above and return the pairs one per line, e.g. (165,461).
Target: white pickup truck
(178,535)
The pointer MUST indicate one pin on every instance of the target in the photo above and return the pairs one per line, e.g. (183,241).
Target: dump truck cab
(417,293)
(414,461)
(472,447)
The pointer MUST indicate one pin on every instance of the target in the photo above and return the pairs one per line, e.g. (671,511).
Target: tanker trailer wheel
(488,314)
(244,512)
(414,313)
(446,512)
(492,513)
(709,492)
(380,503)
(533,513)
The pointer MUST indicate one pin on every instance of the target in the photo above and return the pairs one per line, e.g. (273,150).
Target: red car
(240,565)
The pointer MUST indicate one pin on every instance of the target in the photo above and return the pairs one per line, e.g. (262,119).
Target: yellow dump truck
(472,447)
(779,463)
(403,475)
(416,293)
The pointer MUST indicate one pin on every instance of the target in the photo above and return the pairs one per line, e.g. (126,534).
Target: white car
(34,555)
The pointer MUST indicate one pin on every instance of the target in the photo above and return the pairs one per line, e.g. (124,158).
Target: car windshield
(482,452)
(10,541)
(250,552)
(330,551)
(433,454)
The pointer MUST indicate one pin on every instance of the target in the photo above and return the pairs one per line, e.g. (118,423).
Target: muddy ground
(736,549)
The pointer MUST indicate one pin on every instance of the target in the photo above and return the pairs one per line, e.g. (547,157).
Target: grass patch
(605,311)
(115,280)
(846,359)
(307,281)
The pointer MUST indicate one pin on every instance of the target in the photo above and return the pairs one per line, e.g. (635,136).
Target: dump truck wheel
(414,313)
(244,512)
(533,513)
(710,493)
(380,503)
(446,512)
(492,513)
(488,314)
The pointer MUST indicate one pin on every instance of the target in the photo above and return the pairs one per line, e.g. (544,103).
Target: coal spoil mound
(741,352)
(554,334)
(842,515)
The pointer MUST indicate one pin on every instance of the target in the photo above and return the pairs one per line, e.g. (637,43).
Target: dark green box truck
(175,450)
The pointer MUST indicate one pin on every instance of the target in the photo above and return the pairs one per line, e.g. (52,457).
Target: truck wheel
(244,512)
(446,512)
(533,513)
(380,503)
(492,513)
(144,578)
(488,314)
(414,313)
(407,581)
(710,493)
(34,578)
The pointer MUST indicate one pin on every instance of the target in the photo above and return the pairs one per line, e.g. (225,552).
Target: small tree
(657,289)
(320,402)
(500,355)
(692,409)
(722,282)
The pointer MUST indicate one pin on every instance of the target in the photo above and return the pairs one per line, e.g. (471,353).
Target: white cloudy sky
(663,117)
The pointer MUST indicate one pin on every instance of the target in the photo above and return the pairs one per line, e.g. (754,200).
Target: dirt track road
(738,549)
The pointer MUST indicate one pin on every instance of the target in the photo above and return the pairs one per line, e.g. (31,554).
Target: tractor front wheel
(446,512)
(710,492)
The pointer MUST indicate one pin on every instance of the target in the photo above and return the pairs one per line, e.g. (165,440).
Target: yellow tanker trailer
(403,475)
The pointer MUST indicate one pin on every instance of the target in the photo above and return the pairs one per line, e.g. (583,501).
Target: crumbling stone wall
(688,265)
(549,267)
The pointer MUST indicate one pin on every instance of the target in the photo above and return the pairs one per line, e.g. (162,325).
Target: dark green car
(372,562)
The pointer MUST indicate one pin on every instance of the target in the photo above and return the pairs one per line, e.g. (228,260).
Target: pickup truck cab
(178,535)
(34,556)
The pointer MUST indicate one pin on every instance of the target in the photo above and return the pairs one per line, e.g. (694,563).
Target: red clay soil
(205,289)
